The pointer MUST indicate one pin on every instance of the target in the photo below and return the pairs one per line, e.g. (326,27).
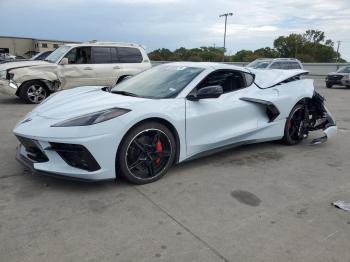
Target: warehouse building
(27,47)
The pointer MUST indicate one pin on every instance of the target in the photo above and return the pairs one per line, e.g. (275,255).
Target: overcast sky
(175,23)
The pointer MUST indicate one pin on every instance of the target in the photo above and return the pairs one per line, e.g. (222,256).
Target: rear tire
(291,129)
(329,85)
(146,153)
(33,92)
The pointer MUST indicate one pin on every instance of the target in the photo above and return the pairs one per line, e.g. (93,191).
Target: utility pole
(225,15)
(338,50)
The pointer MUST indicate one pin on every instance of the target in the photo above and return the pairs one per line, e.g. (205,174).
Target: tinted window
(129,55)
(79,55)
(294,65)
(344,69)
(102,55)
(285,65)
(229,80)
(276,65)
(159,82)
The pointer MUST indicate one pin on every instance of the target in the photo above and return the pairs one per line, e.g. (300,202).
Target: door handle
(87,68)
(116,67)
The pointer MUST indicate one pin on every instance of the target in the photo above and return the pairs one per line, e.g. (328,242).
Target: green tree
(311,46)
(289,46)
(161,54)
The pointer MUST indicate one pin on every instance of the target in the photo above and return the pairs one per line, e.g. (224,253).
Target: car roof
(208,65)
(277,59)
(93,43)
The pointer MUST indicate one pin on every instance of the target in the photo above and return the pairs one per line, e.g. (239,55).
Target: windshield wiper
(124,93)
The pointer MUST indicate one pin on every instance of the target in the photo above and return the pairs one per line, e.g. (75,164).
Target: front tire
(329,85)
(294,130)
(146,153)
(33,92)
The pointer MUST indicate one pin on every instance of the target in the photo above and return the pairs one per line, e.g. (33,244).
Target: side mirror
(64,61)
(207,92)
(125,78)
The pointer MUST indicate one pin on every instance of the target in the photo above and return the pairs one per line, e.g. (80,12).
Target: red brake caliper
(159,149)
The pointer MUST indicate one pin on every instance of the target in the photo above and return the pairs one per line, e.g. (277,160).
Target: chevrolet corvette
(166,115)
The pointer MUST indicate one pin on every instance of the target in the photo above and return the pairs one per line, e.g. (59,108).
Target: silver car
(276,63)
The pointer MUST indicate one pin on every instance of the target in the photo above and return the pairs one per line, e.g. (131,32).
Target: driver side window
(79,55)
(227,79)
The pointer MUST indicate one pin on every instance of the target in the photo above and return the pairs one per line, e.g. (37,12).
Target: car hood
(269,78)
(82,100)
(338,74)
(19,64)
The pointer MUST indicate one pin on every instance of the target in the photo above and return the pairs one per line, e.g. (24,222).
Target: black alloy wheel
(146,153)
(294,130)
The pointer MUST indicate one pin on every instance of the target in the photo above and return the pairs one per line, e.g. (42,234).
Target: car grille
(33,150)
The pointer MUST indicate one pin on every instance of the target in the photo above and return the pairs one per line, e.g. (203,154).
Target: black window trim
(195,89)
(117,61)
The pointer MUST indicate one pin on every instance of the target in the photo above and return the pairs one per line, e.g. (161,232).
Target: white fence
(315,69)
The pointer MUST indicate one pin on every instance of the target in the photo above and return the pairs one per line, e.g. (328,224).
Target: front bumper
(8,87)
(29,164)
(50,161)
(333,82)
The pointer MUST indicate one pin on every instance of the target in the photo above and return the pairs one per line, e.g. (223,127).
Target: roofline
(39,39)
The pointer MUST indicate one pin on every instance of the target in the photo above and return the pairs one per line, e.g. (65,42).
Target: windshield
(344,69)
(159,82)
(258,64)
(55,55)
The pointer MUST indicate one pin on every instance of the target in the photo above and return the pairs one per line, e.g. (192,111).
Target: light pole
(225,15)
(338,51)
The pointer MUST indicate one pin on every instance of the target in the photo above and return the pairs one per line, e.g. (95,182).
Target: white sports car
(166,115)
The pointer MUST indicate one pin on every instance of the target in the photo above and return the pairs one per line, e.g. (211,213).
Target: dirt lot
(266,202)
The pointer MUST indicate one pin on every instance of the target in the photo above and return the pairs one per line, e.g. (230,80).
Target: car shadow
(10,100)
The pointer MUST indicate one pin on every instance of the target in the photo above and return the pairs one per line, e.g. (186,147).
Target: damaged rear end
(318,117)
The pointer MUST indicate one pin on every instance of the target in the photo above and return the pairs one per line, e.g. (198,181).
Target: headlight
(93,118)
(3,74)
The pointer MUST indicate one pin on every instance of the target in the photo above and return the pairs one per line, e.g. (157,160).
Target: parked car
(341,77)
(72,65)
(5,57)
(276,63)
(165,115)
(41,55)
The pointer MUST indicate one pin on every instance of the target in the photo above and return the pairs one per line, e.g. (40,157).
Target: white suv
(276,63)
(72,65)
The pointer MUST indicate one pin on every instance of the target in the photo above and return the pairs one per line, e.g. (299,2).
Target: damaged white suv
(72,65)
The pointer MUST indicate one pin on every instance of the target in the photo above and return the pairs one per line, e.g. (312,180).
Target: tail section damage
(318,117)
